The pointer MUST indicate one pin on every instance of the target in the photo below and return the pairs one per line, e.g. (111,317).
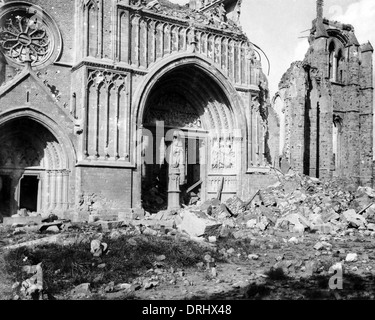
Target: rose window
(27,35)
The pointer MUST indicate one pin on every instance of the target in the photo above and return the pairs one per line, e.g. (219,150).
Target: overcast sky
(276,25)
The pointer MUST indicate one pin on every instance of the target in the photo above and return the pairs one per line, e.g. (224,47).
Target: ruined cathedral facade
(97,95)
(325,105)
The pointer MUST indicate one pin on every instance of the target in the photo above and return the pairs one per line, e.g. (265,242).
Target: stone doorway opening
(28,193)
(188,102)
(5,187)
(33,167)
(156,168)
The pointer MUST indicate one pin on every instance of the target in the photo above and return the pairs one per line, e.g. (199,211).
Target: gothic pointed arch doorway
(34,168)
(187,110)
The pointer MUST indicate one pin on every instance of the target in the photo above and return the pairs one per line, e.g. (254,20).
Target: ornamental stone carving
(28,35)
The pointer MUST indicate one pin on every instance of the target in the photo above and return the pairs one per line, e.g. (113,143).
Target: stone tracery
(25,38)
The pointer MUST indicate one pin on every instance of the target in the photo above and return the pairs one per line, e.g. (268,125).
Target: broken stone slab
(47,240)
(46,226)
(332,215)
(354,219)
(371,226)
(150,232)
(8,221)
(293,240)
(81,290)
(322,245)
(198,226)
(54,229)
(251,223)
(351,257)
(59,239)
(295,219)
(242,234)
(123,286)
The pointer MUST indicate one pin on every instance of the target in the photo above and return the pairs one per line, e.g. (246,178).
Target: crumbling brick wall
(328,104)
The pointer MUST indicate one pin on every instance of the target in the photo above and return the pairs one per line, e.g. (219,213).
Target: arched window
(339,66)
(336,142)
(332,62)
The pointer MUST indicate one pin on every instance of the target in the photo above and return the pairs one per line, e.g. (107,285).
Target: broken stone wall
(329,118)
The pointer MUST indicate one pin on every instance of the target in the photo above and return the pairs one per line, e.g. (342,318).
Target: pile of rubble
(295,203)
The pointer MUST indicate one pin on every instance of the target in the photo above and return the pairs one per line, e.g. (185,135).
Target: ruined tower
(327,105)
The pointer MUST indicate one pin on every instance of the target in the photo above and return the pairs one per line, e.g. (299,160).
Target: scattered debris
(33,287)
(98,248)
(351,257)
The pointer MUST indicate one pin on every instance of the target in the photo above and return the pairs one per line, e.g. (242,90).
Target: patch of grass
(67,266)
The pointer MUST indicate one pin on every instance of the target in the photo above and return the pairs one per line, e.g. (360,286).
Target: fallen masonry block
(331,216)
(82,289)
(59,239)
(97,248)
(197,226)
(46,226)
(38,242)
(242,234)
(299,222)
(354,219)
(351,257)
(323,246)
(8,221)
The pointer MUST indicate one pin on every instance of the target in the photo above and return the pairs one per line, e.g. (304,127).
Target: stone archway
(34,168)
(188,98)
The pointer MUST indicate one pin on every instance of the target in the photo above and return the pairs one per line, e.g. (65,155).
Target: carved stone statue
(176,172)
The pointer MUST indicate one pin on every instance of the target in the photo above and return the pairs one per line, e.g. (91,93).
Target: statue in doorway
(176,172)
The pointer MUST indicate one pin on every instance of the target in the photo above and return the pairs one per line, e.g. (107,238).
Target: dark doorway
(5,186)
(155,169)
(29,193)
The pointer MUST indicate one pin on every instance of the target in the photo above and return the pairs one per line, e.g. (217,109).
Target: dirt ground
(269,265)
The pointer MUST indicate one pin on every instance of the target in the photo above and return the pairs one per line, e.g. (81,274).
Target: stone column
(174,189)
(52,190)
(65,189)
(59,190)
